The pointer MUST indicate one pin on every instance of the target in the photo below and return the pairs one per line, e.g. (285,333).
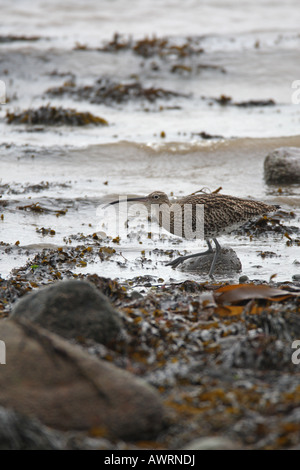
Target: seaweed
(14,38)
(107,91)
(36,207)
(254,103)
(46,231)
(52,116)
(219,355)
(117,43)
(150,47)
(267,224)
(224,100)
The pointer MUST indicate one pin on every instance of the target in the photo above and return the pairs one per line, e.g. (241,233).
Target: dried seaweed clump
(107,91)
(52,116)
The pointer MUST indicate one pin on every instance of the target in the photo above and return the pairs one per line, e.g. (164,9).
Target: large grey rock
(71,309)
(50,379)
(282,166)
(227,262)
(18,432)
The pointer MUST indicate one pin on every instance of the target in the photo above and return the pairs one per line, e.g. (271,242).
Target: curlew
(221,215)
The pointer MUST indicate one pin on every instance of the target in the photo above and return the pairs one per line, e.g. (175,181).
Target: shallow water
(81,180)
(250,52)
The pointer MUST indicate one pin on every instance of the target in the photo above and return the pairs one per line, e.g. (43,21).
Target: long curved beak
(130,199)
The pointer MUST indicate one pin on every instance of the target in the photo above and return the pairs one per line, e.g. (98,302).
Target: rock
(243,279)
(282,166)
(135,295)
(60,384)
(72,309)
(227,262)
(212,443)
(19,432)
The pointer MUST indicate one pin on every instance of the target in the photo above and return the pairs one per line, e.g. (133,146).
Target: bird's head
(156,197)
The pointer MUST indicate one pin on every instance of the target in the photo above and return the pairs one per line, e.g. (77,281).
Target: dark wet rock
(282,166)
(225,100)
(48,378)
(145,280)
(243,278)
(190,286)
(18,432)
(254,103)
(227,262)
(51,116)
(212,443)
(204,135)
(136,295)
(265,225)
(73,309)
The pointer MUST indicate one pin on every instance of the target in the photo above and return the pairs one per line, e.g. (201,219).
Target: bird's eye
(156,196)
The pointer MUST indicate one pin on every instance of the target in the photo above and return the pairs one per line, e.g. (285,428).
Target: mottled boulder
(227,262)
(71,309)
(47,378)
(282,166)
(18,432)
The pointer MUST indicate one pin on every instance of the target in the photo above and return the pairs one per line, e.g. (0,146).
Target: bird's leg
(181,259)
(216,255)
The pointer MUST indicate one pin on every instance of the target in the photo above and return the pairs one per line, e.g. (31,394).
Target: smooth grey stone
(72,309)
(282,166)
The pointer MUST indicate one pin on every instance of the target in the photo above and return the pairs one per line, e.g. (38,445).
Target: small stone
(212,443)
(296,277)
(282,166)
(243,279)
(135,295)
(227,262)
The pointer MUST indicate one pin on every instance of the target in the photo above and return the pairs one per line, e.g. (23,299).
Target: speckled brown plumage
(223,213)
